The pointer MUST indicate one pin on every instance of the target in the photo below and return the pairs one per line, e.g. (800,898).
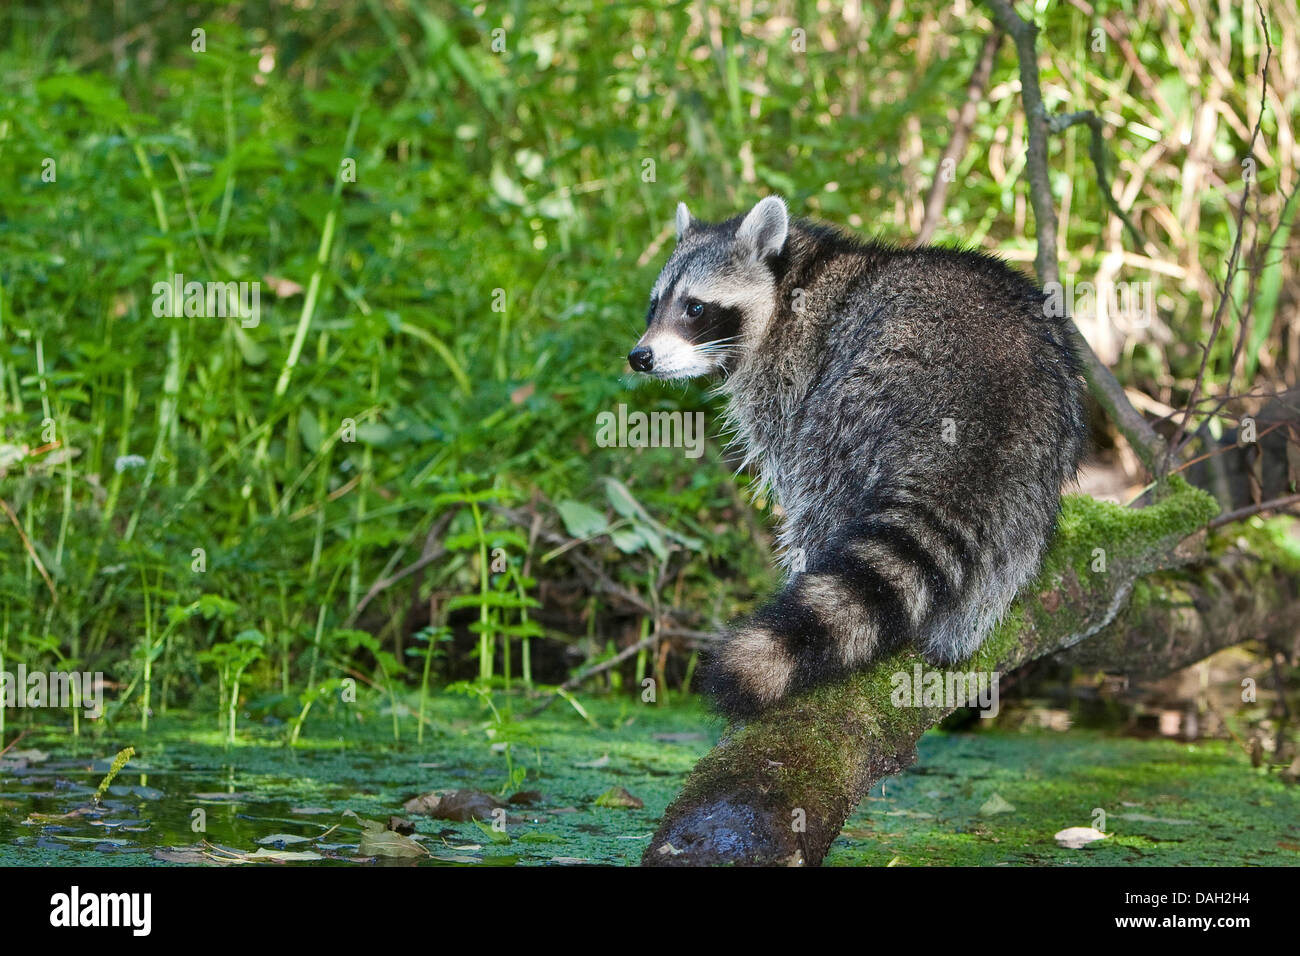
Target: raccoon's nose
(641,359)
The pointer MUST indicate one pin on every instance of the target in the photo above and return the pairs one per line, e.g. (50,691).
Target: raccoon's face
(715,296)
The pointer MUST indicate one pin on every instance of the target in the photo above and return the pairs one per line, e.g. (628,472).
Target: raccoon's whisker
(717,347)
(720,390)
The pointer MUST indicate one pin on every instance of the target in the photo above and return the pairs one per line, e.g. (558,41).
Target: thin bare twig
(1246,512)
(1222,450)
(31,551)
(592,671)
(1225,293)
(9,746)
(1105,388)
(1097,150)
(956,147)
(433,550)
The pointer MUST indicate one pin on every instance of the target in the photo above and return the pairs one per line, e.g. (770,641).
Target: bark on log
(813,759)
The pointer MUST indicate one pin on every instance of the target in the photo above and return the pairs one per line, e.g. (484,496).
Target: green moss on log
(819,752)
(1124,534)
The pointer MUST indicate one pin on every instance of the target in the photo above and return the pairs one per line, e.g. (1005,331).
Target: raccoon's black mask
(715,295)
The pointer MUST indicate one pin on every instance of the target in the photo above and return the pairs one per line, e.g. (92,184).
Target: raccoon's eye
(654,306)
(695,310)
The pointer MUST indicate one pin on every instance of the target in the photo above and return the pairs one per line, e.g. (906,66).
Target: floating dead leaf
(282,839)
(186,854)
(310,811)
(119,826)
(619,797)
(283,856)
(1074,838)
(215,852)
(594,764)
(994,805)
(378,840)
(526,798)
(401,825)
(460,805)
(28,756)
(387,843)
(33,818)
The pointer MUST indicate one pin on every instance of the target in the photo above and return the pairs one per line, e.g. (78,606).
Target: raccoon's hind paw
(749,673)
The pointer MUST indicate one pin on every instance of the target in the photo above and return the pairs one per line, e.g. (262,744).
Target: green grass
(454,244)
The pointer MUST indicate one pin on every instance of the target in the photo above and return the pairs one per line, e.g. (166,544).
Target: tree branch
(1274,505)
(956,147)
(813,759)
(1149,446)
(1097,151)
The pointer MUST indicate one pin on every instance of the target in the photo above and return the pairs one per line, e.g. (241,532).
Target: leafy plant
(231,659)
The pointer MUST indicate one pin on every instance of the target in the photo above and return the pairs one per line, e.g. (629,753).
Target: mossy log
(1145,590)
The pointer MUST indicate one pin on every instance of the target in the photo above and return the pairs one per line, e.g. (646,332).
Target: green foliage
(231,659)
(1087,525)
(215,497)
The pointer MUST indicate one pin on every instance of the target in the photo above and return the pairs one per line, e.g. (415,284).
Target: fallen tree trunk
(777,791)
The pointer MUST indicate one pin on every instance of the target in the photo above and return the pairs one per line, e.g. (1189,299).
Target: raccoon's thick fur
(914,411)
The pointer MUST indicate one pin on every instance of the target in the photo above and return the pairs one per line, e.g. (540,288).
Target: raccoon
(915,413)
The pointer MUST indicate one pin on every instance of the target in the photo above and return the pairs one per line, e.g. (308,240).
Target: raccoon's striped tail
(884,581)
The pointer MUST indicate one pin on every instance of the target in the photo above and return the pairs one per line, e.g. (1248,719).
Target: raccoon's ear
(683,220)
(764,230)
